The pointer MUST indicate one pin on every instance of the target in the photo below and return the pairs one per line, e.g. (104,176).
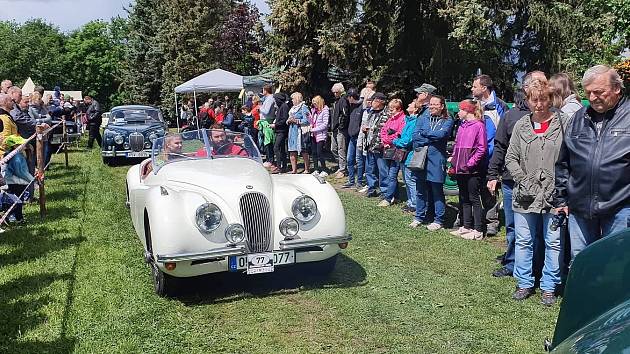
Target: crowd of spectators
(559,169)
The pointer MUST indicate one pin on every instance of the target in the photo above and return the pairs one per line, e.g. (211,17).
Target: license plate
(55,140)
(138,154)
(261,262)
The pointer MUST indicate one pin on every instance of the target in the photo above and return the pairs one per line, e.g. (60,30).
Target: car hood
(222,176)
(141,127)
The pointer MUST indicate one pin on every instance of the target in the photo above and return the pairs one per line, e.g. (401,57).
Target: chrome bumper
(300,243)
(112,153)
(217,253)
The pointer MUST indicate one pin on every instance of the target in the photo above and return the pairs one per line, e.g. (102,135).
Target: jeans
(388,177)
(352,159)
(410,183)
(584,231)
(360,167)
(530,226)
(430,194)
(371,171)
(510,236)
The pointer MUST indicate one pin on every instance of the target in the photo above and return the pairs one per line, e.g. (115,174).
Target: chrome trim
(217,253)
(256,214)
(299,243)
(108,153)
(136,142)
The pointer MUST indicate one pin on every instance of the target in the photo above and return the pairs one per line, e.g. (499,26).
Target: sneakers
(363,189)
(372,194)
(323,174)
(522,293)
(502,272)
(348,185)
(384,203)
(267,164)
(472,235)
(339,174)
(548,298)
(434,226)
(462,230)
(415,223)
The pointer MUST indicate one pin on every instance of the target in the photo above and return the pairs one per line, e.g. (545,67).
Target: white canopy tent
(29,87)
(217,80)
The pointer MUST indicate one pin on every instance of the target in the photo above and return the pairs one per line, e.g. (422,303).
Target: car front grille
(136,141)
(256,215)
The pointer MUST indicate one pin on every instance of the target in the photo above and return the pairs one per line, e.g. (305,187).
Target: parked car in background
(204,203)
(131,131)
(595,312)
(56,137)
(105,119)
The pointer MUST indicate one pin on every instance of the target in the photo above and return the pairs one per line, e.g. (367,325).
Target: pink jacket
(396,123)
(319,123)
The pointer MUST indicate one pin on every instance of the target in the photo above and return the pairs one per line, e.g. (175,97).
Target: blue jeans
(388,177)
(430,194)
(371,171)
(508,259)
(410,183)
(584,231)
(528,227)
(351,159)
(360,167)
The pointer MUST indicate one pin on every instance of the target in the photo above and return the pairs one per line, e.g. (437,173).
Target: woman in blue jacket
(405,142)
(432,130)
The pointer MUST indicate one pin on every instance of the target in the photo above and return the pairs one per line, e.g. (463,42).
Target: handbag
(400,155)
(419,159)
(388,154)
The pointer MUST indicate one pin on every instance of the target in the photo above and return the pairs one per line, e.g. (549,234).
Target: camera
(558,220)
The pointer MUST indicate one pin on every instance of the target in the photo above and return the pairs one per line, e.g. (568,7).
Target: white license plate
(138,154)
(55,140)
(261,262)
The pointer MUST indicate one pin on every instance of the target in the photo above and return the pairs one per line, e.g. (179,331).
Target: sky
(69,15)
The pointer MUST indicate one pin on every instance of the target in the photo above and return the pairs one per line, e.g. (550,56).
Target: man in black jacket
(355,164)
(593,169)
(339,124)
(282,132)
(94,117)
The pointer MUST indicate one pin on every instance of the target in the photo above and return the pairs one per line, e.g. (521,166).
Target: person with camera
(534,147)
(592,179)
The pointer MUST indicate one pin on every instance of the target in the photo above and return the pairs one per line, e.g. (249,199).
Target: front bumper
(58,138)
(125,153)
(238,250)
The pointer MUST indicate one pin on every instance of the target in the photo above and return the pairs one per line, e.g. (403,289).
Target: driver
(221,145)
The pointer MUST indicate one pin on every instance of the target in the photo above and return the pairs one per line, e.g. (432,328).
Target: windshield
(203,144)
(140,115)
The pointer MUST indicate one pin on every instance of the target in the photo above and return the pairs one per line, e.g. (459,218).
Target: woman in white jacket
(564,87)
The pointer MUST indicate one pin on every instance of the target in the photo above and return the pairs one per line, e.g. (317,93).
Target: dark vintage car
(131,131)
(72,130)
(595,312)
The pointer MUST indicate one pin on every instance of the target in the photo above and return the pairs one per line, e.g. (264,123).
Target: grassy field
(77,283)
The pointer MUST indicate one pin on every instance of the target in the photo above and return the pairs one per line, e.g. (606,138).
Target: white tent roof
(217,80)
(28,87)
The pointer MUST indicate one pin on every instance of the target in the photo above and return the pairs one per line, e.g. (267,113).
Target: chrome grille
(136,141)
(256,215)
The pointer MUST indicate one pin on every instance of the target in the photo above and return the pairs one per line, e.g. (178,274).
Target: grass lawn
(76,282)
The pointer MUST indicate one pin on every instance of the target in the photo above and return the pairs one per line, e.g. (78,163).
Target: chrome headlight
(208,217)
(304,208)
(235,233)
(147,145)
(126,146)
(118,139)
(152,137)
(289,227)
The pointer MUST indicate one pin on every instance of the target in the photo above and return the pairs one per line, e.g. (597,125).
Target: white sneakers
(364,189)
(434,226)
(415,223)
(384,203)
(462,230)
(323,174)
(468,234)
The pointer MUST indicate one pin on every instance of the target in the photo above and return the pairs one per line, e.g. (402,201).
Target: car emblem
(249,187)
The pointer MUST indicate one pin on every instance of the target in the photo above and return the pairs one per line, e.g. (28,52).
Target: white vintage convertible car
(203,203)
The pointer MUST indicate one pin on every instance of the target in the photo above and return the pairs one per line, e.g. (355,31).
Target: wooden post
(41,156)
(65,142)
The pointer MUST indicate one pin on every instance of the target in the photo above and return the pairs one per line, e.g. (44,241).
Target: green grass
(76,282)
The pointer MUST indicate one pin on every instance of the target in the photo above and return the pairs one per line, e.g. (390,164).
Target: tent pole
(176,112)
(196,111)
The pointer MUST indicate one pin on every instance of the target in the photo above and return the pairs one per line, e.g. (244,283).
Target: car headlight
(289,227)
(304,208)
(118,139)
(208,217)
(147,145)
(235,233)
(152,137)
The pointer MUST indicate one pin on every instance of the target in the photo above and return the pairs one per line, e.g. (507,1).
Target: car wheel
(324,267)
(163,284)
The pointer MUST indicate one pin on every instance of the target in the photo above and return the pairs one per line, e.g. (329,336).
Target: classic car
(56,137)
(595,312)
(204,203)
(131,131)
